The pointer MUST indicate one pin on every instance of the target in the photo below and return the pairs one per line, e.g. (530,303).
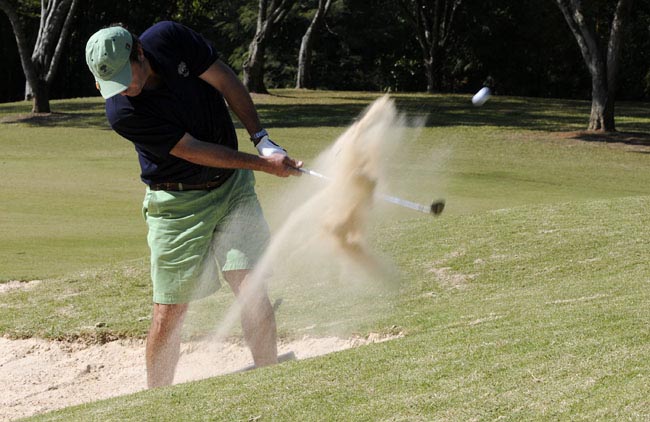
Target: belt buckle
(214,183)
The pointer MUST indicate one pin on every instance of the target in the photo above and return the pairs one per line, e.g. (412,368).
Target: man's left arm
(222,77)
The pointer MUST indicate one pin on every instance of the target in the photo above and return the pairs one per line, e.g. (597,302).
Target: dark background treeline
(523,47)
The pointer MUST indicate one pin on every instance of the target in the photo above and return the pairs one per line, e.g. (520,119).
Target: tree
(432,21)
(303,78)
(603,70)
(270,14)
(39,68)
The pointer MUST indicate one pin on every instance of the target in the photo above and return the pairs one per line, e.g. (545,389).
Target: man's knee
(167,317)
(235,278)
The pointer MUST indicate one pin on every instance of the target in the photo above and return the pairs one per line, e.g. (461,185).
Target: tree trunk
(603,69)
(432,24)
(41,97)
(29,94)
(40,66)
(254,67)
(430,74)
(269,15)
(599,107)
(303,78)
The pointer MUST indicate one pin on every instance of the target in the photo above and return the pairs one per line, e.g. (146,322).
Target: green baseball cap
(107,56)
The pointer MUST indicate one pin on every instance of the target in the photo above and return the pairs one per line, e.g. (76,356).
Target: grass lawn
(527,299)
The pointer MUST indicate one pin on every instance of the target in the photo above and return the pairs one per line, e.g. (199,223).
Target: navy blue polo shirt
(157,119)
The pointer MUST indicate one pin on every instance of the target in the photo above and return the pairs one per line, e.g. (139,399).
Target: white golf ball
(481,96)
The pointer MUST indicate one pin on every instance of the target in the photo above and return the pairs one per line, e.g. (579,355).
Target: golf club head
(437,207)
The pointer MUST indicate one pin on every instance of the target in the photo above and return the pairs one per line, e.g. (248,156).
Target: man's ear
(140,54)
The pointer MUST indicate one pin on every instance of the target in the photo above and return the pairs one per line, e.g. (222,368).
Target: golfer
(166,91)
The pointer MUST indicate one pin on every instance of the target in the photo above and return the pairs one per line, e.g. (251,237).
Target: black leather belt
(174,186)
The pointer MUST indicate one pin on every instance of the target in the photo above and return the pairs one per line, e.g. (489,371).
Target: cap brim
(120,82)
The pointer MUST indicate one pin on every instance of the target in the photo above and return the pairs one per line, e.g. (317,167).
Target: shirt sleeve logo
(183,70)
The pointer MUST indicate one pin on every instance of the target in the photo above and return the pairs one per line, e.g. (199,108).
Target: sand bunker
(38,376)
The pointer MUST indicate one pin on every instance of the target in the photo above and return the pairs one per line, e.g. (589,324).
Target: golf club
(435,208)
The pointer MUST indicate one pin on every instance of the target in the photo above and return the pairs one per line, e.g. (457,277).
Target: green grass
(527,300)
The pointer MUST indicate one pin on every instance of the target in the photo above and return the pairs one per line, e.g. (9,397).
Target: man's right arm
(214,155)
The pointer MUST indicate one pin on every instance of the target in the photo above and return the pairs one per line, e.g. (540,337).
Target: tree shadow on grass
(59,119)
(80,113)
(318,109)
(441,110)
(634,141)
(436,111)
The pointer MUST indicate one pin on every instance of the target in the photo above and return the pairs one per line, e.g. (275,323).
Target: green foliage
(28,8)
(525,47)
(635,80)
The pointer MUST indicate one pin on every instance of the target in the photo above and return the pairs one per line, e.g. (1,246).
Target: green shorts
(195,234)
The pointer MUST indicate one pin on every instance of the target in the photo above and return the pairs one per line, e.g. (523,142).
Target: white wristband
(266,147)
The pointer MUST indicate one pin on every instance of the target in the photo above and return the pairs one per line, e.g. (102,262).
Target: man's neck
(154,80)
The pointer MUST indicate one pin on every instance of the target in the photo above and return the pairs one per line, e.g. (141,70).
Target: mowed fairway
(528,299)
(68,194)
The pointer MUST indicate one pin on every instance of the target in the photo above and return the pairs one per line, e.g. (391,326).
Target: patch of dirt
(450,279)
(38,376)
(18,285)
(634,141)
(35,118)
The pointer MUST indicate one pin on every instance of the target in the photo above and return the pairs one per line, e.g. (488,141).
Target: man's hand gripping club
(274,152)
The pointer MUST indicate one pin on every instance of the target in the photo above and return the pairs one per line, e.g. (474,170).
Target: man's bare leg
(257,318)
(163,343)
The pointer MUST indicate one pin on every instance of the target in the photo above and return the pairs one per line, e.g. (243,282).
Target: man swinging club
(166,92)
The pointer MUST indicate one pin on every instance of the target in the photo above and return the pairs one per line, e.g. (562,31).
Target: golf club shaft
(404,203)
(392,199)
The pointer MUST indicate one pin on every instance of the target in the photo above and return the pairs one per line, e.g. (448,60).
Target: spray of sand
(326,233)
